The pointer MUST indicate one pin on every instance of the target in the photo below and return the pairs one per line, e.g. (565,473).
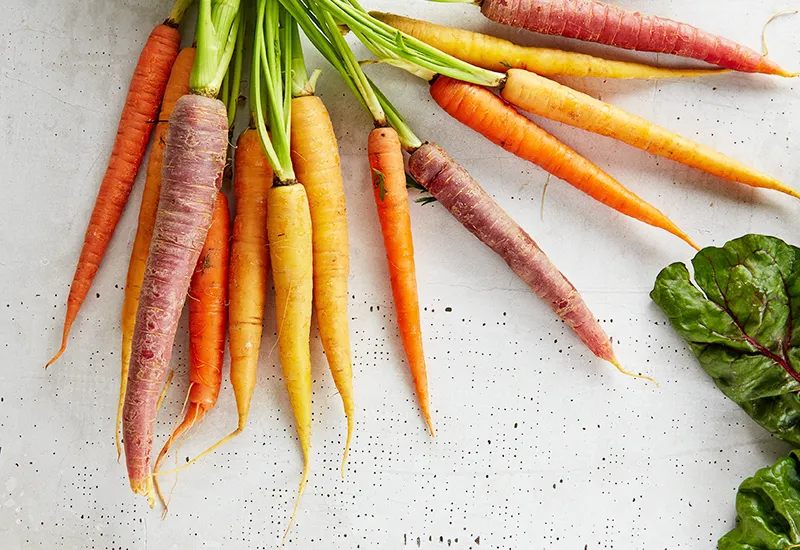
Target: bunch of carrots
(290,211)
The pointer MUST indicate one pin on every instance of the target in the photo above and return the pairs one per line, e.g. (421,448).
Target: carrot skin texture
(391,199)
(497,54)
(144,97)
(194,160)
(177,86)
(594,21)
(455,189)
(249,267)
(208,316)
(547,98)
(315,157)
(289,228)
(484,112)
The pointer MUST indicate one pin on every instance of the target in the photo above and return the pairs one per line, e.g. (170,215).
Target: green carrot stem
(177,12)
(215,44)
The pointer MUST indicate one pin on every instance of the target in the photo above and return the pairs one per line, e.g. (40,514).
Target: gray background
(538,444)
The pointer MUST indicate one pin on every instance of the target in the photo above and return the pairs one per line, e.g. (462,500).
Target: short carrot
(595,21)
(547,98)
(497,54)
(484,112)
(193,164)
(177,86)
(140,111)
(208,312)
(315,157)
(391,198)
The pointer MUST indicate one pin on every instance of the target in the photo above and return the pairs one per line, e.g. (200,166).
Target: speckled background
(538,444)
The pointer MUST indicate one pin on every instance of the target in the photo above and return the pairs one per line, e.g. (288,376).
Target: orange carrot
(484,112)
(177,86)
(391,198)
(133,134)
(208,312)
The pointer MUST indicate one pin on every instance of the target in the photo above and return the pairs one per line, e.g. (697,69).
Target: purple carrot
(194,159)
(595,21)
(455,189)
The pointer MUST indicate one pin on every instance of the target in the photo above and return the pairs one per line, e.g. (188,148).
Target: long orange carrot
(484,112)
(208,312)
(391,198)
(177,86)
(136,123)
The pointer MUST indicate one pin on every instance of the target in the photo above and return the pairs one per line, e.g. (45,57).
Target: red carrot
(133,134)
(594,21)
(455,189)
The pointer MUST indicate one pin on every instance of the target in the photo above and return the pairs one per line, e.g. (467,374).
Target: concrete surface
(538,445)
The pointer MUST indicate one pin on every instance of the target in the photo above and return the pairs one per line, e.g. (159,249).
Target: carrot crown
(396,47)
(323,32)
(272,66)
(217,29)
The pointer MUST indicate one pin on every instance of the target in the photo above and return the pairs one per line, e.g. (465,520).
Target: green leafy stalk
(217,29)
(177,12)
(272,65)
(385,40)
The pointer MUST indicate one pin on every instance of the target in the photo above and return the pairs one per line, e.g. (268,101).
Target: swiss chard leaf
(741,318)
(768,509)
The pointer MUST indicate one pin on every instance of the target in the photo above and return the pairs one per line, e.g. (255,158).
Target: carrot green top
(218,23)
(399,48)
(229,94)
(272,67)
(177,12)
(323,32)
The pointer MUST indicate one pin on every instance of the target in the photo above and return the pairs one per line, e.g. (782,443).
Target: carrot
(193,164)
(484,112)
(315,157)
(544,97)
(386,159)
(497,54)
(146,90)
(455,189)
(595,21)
(208,312)
(249,267)
(177,86)
(391,198)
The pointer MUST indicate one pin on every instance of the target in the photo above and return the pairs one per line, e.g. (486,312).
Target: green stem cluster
(177,12)
(218,23)
(388,43)
(272,68)
(229,94)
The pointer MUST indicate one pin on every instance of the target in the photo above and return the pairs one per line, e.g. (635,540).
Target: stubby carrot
(391,198)
(208,312)
(193,164)
(315,157)
(140,111)
(547,98)
(594,21)
(497,54)
(484,112)
(177,87)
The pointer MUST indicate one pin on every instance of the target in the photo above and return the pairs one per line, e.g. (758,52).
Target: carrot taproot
(497,54)
(249,269)
(484,112)
(454,188)
(315,157)
(177,86)
(391,198)
(208,312)
(193,166)
(549,99)
(594,21)
(140,111)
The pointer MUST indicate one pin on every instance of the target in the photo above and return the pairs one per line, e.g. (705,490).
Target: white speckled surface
(538,445)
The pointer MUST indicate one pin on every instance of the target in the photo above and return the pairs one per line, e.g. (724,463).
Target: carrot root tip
(631,374)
